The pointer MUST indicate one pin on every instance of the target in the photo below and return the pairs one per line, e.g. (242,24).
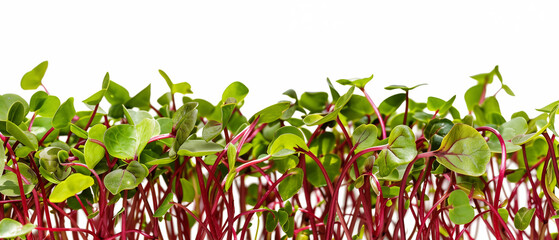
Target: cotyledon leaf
(11,229)
(401,150)
(317,118)
(71,186)
(463,150)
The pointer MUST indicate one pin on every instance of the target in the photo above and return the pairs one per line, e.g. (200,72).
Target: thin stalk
(377,112)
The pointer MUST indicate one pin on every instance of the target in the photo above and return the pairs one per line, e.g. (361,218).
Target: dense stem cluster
(317,166)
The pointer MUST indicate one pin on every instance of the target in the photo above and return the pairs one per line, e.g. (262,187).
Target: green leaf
(188,192)
(25,137)
(524,138)
(73,185)
(359,83)
(487,78)
(164,207)
(364,136)
(121,141)
(391,104)
(2,158)
(116,94)
(333,92)
(231,160)
(464,150)
(64,115)
(10,109)
(314,101)
(271,113)
(436,130)
(271,222)
(434,103)
(291,184)
(140,171)
(9,183)
(32,79)
(94,152)
(472,96)
(49,106)
(95,98)
(198,148)
(78,131)
(141,100)
(504,214)
(184,120)
(317,119)
(119,180)
(523,218)
(285,145)
(402,87)
(508,90)
(182,87)
(127,141)
(37,100)
(400,151)
(10,228)
(461,212)
(211,130)
(146,129)
(235,90)
(135,117)
(331,163)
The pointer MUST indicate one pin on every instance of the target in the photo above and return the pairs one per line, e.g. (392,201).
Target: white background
(272,46)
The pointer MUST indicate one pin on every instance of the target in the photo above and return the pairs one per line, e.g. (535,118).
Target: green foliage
(225,168)
(32,79)
(523,217)
(464,151)
(10,228)
(461,212)
(73,185)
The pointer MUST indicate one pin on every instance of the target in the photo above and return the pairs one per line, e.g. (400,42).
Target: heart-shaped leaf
(271,113)
(291,184)
(463,150)
(71,186)
(32,79)
(140,171)
(211,130)
(314,101)
(116,94)
(402,87)
(317,119)
(400,151)
(140,100)
(331,163)
(182,87)
(188,192)
(10,228)
(436,130)
(235,90)
(359,83)
(285,145)
(461,212)
(127,141)
(364,136)
(64,115)
(523,218)
(164,207)
(94,152)
(119,180)
(25,137)
(198,148)
(392,103)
